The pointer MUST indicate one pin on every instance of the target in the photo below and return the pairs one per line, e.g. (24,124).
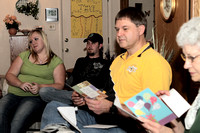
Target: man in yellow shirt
(140,67)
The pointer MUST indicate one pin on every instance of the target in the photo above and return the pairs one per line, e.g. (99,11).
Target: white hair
(189,33)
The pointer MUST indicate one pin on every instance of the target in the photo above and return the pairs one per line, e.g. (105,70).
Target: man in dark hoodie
(92,68)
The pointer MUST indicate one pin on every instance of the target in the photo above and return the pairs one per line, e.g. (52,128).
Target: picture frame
(194,8)
(51,14)
(167,9)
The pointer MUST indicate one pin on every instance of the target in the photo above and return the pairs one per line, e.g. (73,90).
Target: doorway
(73,48)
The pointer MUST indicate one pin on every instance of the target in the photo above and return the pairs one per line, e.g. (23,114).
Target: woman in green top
(188,38)
(33,69)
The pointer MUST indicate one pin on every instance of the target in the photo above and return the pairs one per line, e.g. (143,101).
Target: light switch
(52,27)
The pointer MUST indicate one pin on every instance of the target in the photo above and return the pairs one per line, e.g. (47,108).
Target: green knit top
(30,72)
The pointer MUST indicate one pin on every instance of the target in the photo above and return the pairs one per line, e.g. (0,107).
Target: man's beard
(90,54)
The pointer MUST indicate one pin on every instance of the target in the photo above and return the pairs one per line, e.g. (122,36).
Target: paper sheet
(100,126)
(68,113)
(176,102)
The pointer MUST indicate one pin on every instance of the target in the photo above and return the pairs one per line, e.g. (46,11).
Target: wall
(147,5)
(114,7)
(28,22)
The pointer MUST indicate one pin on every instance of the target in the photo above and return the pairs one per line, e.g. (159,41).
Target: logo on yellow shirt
(132,68)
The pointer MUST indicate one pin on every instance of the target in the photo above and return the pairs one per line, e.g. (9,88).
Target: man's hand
(98,106)
(125,108)
(77,99)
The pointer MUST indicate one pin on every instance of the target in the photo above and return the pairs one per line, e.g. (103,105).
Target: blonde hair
(49,52)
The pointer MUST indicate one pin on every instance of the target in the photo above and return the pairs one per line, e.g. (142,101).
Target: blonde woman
(33,69)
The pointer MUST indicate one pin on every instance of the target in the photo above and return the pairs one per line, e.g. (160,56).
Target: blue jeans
(49,94)
(17,113)
(52,116)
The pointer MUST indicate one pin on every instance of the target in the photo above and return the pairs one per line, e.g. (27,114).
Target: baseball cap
(94,37)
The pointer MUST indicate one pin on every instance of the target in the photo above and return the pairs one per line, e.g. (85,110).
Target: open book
(119,106)
(86,89)
(147,104)
(68,113)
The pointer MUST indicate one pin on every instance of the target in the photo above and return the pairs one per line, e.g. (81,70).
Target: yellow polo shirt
(144,69)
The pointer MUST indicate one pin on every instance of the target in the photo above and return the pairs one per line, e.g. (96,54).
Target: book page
(86,89)
(176,102)
(118,105)
(68,113)
(100,126)
(89,92)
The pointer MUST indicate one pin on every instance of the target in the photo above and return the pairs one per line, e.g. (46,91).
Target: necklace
(42,61)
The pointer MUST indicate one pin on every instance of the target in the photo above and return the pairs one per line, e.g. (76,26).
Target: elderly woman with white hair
(188,38)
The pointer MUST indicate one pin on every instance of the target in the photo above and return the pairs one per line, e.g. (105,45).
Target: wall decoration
(51,14)
(194,8)
(167,9)
(86,17)
(28,7)
(12,24)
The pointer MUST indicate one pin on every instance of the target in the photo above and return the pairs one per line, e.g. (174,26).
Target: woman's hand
(162,92)
(154,127)
(35,88)
(25,86)
(77,99)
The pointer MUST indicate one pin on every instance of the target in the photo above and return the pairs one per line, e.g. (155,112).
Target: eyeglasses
(189,58)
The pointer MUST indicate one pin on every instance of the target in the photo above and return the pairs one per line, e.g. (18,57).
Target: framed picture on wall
(51,14)
(194,8)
